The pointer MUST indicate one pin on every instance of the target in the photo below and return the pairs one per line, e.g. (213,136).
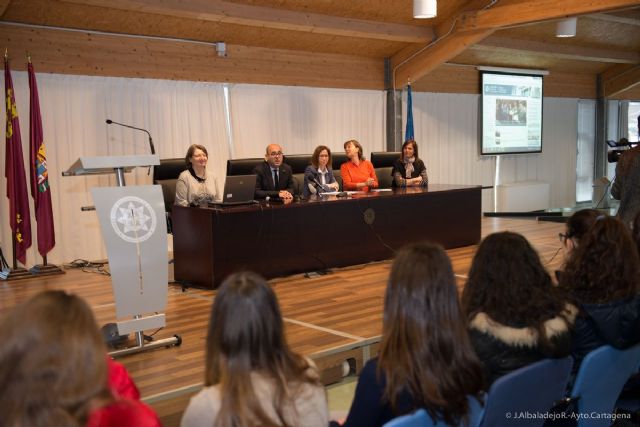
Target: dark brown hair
(508,282)
(605,266)
(357,145)
(580,222)
(53,363)
(191,150)
(415,149)
(635,232)
(425,348)
(246,335)
(316,156)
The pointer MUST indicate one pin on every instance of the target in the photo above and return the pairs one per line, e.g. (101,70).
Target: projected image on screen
(511,113)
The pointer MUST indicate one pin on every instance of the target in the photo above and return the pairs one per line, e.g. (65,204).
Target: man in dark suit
(275,178)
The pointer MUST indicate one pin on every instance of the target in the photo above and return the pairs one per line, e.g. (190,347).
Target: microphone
(315,181)
(153,150)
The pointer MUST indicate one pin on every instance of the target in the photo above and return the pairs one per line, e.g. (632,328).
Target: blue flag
(408,133)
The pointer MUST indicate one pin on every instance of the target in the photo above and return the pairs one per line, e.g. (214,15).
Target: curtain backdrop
(178,113)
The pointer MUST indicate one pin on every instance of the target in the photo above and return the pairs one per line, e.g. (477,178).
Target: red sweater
(352,175)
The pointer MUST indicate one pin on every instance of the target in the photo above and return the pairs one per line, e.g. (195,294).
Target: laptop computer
(238,190)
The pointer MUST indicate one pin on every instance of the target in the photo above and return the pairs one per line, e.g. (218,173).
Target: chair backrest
(600,379)
(383,164)
(166,175)
(531,389)
(242,166)
(337,159)
(421,418)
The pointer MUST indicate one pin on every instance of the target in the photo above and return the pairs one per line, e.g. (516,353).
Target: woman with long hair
(252,378)
(603,278)
(426,359)
(318,176)
(516,316)
(54,371)
(409,170)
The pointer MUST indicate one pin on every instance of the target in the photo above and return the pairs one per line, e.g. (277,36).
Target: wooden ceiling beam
(561,51)
(621,82)
(422,62)
(509,13)
(4,4)
(259,16)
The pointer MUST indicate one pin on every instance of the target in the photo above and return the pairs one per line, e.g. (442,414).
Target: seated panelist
(318,176)
(409,170)
(196,185)
(357,173)
(275,178)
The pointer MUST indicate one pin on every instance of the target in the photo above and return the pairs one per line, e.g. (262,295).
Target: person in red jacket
(357,173)
(54,369)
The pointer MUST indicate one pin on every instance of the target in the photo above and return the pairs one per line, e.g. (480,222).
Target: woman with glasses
(318,176)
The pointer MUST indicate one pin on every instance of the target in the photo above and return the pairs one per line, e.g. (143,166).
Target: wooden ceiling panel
(69,15)
(590,32)
(528,60)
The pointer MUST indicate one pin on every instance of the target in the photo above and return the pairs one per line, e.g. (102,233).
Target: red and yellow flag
(40,190)
(20,219)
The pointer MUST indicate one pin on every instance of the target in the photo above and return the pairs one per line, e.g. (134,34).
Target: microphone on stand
(153,149)
(317,183)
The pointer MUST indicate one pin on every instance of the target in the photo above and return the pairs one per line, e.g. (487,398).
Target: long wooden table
(281,239)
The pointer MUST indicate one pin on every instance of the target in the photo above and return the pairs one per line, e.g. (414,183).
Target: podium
(133,227)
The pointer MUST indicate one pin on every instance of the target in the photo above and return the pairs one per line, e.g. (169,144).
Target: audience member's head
(508,282)
(605,267)
(425,347)
(577,226)
(53,364)
(409,150)
(245,336)
(274,155)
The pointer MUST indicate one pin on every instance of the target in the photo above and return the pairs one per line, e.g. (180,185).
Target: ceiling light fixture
(567,27)
(423,9)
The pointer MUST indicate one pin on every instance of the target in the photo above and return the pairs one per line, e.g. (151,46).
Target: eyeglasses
(563,237)
(275,153)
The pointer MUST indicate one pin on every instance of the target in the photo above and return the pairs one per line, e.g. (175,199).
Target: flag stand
(45,269)
(14,273)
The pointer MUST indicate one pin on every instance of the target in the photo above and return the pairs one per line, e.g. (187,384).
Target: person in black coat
(409,170)
(275,178)
(602,277)
(516,316)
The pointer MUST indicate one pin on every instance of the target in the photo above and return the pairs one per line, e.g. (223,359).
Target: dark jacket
(503,349)
(616,324)
(626,187)
(264,182)
(399,168)
(311,173)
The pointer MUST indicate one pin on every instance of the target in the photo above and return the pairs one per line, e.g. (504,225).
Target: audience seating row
(524,396)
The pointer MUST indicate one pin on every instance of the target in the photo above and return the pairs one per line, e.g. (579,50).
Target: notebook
(238,190)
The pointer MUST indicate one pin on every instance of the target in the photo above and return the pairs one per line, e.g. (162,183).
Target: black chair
(383,164)
(166,175)
(243,166)
(298,163)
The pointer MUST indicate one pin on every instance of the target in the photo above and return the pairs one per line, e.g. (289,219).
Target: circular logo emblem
(133,219)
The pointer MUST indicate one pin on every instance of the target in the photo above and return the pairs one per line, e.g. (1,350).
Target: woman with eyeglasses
(318,176)
(602,277)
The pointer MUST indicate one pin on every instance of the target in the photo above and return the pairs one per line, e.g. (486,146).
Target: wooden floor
(330,318)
